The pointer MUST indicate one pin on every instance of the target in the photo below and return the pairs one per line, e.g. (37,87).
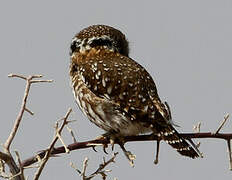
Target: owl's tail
(163,126)
(173,138)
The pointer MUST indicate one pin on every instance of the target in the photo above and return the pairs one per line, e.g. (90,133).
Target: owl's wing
(121,80)
(128,87)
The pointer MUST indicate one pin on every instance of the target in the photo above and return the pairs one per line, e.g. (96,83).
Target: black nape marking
(74,46)
(102,42)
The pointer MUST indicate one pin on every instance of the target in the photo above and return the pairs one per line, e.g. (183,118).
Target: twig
(49,150)
(74,167)
(197,128)
(85,164)
(22,109)
(7,157)
(29,111)
(99,171)
(102,166)
(72,134)
(20,164)
(14,169)
(18,76)
(226,117)
(62,141)
(41,81)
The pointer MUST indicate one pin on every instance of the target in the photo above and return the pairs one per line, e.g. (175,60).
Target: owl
(115,92)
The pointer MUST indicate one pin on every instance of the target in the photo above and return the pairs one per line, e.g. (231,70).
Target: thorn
(29,111)
(72,134)
(94,148)
(197,128)
(104,148)
(226,117)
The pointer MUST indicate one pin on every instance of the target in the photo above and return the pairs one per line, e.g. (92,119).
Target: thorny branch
(29,81)
(17,173)
(105,142)
(43,156)
(49,150)
(99,171)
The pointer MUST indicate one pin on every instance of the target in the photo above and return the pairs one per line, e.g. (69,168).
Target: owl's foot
(114,138)
(102,137)
(131,157)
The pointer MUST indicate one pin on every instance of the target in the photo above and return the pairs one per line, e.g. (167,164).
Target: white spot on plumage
(107,96)
(145,108)
(83,78)
(107,79)
(144,99)
(166,134)
(109,89)
(184,149)
(120,73)
(121,96)
(99,73)
(106,69)
(103,82)
(96,76)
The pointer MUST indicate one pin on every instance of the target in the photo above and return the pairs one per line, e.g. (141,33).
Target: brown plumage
(115,92)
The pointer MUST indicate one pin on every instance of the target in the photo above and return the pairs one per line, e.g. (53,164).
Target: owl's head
(100,35)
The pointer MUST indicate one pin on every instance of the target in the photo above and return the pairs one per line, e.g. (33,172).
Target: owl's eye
(75,46)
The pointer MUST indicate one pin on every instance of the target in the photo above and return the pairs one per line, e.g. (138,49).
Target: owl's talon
(104,148)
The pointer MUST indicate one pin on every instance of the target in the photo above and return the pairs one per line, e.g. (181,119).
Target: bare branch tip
(29,111)
(36,76)
(226,117)
(10,75)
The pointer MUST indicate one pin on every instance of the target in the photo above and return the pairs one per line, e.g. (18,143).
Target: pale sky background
(185,45)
